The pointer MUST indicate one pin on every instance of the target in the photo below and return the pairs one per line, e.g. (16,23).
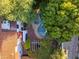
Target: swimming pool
(41,30)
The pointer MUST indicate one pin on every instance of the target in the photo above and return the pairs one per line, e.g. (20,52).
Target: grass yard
(27,44)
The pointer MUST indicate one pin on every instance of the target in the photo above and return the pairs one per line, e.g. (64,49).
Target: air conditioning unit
(5,25)
(19,26)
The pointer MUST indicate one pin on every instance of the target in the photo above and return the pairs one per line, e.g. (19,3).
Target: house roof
(71,46)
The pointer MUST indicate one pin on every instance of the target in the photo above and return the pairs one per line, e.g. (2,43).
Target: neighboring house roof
(71,46)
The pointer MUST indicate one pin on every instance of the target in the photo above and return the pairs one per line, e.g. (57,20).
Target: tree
(61,18)
(16,9)
(59,54)
(5,6)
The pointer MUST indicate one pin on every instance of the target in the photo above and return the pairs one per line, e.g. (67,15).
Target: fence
(35,44)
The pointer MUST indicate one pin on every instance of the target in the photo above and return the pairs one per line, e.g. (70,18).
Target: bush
(59,54)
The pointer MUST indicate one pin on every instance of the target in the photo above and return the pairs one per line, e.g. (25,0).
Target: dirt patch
(7,44)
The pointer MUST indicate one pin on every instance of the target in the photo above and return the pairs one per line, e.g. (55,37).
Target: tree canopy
(16,9)
(61,18)
(59,54)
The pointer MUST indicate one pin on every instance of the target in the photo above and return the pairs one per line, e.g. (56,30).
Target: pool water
(41,30)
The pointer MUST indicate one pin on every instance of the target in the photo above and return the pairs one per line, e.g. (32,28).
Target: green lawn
(27,44)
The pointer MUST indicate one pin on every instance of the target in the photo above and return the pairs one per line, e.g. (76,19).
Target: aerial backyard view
(39,29)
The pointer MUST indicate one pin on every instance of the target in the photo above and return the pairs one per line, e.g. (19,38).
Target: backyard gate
(35,44)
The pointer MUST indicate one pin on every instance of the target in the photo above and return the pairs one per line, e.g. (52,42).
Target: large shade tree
(16,9)
(61,18)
